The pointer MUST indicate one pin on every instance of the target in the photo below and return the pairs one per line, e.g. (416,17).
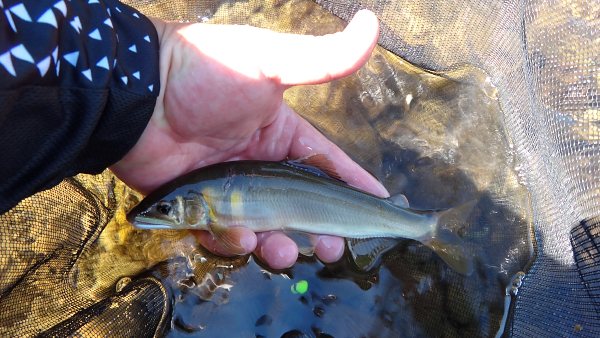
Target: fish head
(178,210)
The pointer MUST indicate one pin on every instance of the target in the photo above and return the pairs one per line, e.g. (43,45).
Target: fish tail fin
(445,243)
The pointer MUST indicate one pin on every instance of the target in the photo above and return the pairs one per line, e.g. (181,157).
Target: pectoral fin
(228,237)
(366,252)
(306,242)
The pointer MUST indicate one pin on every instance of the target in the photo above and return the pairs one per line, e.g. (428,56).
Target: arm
(71,112)
(75,96)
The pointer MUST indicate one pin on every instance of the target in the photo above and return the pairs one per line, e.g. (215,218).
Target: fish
(299,197)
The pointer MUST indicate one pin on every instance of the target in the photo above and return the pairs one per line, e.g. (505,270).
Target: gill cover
(172,212)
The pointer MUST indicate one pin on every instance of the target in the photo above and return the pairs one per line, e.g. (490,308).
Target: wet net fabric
(493,100)
(43,238)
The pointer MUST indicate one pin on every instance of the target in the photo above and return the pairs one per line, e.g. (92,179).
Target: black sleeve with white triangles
(78,83)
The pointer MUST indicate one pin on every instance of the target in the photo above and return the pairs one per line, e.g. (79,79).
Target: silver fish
(294,196)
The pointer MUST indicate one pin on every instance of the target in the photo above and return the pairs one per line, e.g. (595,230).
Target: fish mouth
(150,223)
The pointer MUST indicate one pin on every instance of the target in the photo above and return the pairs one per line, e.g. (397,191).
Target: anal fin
(366,252)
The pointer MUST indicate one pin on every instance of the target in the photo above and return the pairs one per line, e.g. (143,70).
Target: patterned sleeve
(78,83)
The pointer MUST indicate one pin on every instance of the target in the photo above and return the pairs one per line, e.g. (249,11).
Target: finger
(276,249)
(304,59)
(248,241)
(330,248)
(289,135)
(287,59)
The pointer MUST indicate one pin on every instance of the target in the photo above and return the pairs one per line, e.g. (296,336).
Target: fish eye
(163,207)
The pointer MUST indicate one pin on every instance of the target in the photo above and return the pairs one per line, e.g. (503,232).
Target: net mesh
(494,100)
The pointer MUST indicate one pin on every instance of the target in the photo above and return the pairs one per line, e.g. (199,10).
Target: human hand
(221,99)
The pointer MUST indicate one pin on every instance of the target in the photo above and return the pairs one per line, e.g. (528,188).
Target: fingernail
(248,243)
(284,256)
(328,242)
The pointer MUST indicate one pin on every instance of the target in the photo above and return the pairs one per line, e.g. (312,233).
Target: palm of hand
(224,101)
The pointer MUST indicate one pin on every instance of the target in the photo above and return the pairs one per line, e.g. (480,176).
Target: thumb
(304,59)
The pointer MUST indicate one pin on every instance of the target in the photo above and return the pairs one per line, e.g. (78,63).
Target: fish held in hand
(302,196)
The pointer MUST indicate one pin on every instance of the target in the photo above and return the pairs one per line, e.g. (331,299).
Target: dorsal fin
(318,161)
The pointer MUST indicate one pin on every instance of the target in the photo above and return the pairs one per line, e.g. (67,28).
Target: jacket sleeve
(78,84)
